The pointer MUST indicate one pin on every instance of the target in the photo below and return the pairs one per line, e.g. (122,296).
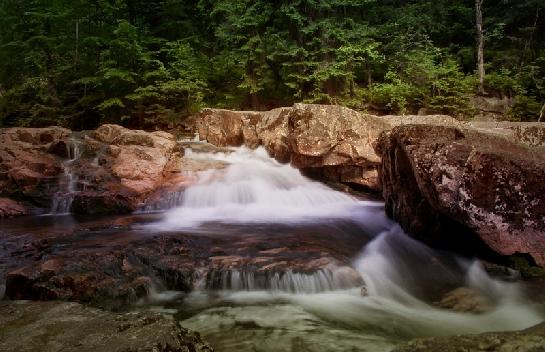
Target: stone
(64,326)
(463,189)
(27,169)
(529,340)
(328,142)
(465,300)
(118,170)
(10,208)
(110,263)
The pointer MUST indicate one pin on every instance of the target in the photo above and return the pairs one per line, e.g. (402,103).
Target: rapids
(254,188)
(320,311)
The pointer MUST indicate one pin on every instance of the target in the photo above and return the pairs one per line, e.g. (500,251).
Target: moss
(526,266)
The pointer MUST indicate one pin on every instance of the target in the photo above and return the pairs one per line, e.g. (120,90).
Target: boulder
(28,171)
(62,326)
(465,300)
(531,134)
(109,170)
(529,340)
(10,208)
(329,142)
(464,189)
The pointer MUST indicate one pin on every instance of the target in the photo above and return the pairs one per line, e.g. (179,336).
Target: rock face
(54,326)
(28,168)
(109,170)
(326,141)
(461,188)
(529,340)
(129,166)
(10,208)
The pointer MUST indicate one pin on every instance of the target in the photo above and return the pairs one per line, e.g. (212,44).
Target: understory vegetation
(80,63)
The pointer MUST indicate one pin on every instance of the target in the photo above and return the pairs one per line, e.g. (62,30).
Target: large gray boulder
(62,326)
(529,340)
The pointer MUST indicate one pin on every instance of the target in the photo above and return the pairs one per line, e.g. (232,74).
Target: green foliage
(424,78)
(395,94)
(80,63)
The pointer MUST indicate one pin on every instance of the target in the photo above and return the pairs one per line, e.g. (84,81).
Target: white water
(62,200)
(326,279)
(341,320)
(314,312)
(254,188)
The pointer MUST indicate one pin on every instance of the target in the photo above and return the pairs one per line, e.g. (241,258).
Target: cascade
(255,188)
(62,200)
(402,278)
(327,279)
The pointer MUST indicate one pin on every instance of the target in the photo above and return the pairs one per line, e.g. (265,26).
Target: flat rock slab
(114,261)
(530,340)
(62,326)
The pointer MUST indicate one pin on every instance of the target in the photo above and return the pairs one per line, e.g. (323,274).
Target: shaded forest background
(80,63)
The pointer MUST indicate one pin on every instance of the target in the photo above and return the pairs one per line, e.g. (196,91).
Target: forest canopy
(80,63)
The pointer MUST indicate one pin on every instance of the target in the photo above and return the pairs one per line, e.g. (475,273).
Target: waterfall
(254,188)
(401,277)
(62,200)
(326,279)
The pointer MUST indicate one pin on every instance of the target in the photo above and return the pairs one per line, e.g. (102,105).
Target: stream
(293,265)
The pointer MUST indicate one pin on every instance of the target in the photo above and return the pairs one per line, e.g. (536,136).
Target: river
(285,263)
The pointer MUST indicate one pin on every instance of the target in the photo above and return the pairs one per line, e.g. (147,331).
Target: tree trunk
(541,113)
(528,43)
(480,43)
(76,58)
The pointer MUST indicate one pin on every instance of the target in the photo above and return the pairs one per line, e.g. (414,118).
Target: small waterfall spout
(62,201)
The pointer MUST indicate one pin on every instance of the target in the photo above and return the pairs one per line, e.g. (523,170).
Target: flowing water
(282,263)
(329,309)
(62,200)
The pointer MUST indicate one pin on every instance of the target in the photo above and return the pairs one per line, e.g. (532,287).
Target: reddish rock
(465,189)
(110,262)
(326,141)
(10,208)
(27,169)
(117,170)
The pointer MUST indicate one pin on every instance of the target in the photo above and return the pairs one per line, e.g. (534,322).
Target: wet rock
(117,170)
(328,142)
(529,340)
(10,208)
(27,169)
(105,276)
(465,300)
(463,189)
(111,264)
(54,326)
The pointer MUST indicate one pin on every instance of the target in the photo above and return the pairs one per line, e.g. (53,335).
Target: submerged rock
(111,264)
(463,189)
(54,326)
(465,300)
(529,340)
